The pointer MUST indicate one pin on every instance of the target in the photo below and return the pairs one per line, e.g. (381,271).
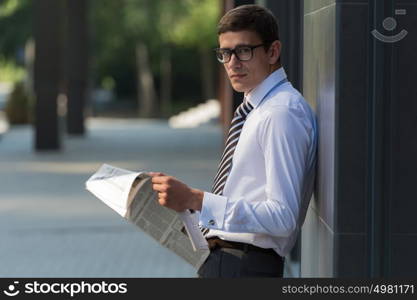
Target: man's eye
(243,50)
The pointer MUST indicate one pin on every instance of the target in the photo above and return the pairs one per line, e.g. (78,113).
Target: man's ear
(274,52)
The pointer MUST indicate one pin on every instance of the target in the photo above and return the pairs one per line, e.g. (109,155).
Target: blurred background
(84,83)
(134,83)
(129,58)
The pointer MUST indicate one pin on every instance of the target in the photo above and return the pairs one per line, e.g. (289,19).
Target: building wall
(400,163)
(353,124)
(319,83)
(336,76)
(360,222)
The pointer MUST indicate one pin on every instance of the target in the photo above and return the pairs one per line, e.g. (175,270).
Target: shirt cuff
(213,211)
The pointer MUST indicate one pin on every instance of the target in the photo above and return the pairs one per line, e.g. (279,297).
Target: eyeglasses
(243,53)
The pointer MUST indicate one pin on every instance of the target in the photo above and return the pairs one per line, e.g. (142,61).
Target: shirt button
(211,222)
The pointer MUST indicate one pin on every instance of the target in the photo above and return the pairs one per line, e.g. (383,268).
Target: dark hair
(253,18)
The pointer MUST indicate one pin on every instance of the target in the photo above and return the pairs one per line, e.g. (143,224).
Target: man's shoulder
(286,99)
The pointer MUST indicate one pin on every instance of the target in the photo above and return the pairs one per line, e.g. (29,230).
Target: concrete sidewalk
(51,226)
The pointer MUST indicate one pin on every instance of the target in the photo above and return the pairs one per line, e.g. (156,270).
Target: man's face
(246,75)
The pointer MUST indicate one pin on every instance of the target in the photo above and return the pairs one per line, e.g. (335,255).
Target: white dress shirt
(267,192)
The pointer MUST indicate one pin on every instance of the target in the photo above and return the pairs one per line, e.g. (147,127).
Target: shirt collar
(256,95)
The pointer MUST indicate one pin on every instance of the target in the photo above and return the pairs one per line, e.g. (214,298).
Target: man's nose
(234,61)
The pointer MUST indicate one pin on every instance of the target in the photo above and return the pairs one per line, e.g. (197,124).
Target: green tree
(112,46)
(143,35)
(15,26)
(15,31)
(197,29)
(159,25)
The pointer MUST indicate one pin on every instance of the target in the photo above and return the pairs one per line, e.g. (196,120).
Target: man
(265,179)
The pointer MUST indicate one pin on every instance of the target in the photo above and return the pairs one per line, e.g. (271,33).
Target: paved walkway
(50,226)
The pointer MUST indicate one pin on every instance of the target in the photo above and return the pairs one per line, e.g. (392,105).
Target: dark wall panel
(404,122)
(350,258)
(403,148)
(288,13)
(352,117)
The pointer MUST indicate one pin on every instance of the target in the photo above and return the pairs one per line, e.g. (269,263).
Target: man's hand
(174,194)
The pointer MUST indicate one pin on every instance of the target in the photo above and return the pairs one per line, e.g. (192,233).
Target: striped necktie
(225,165)
(232,139)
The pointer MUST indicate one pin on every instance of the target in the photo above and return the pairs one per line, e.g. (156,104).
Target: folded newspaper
(131,195)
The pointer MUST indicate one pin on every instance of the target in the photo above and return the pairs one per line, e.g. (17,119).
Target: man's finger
(153,174)
(162,195)
(159,187)
(159,179)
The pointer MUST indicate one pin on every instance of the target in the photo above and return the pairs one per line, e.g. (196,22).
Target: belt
(215,242)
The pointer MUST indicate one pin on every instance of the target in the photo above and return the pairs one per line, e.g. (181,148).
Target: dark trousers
(233,263)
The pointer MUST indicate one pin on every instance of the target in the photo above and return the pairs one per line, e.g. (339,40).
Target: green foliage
(112,46)
(18,106)
(10,72)
(9,8)
(198,26)
(15,26)
(108,83)
(182,25)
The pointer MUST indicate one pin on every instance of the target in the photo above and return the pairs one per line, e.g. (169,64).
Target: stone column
(47,72)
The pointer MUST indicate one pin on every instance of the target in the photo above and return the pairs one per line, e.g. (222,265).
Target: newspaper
(131,195)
